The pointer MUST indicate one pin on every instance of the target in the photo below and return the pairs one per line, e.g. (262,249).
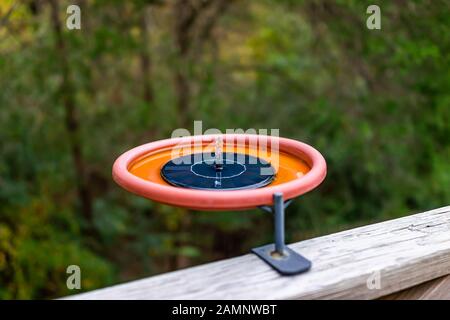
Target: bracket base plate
(288,264)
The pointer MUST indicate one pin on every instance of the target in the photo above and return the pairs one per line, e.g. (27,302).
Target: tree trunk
(184,16)
(66,95)
(146,62)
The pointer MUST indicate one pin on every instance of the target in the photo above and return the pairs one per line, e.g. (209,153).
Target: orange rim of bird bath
(300,169)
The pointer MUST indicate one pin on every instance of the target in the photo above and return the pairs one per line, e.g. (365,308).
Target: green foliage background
(376,103)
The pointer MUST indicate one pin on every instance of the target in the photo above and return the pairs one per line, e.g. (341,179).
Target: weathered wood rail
(404,252)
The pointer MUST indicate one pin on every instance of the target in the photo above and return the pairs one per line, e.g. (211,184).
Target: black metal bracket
(278,255)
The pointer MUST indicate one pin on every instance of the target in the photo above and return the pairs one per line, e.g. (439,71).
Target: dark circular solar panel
(202,171)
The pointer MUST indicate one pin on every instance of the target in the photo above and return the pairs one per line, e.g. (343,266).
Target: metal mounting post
(278,255)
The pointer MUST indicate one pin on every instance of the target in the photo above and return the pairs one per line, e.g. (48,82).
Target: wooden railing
(363,263)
